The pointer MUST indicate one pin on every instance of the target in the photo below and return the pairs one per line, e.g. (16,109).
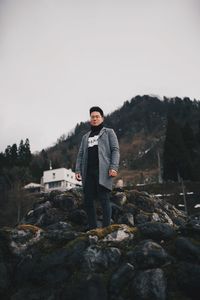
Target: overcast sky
(59,57)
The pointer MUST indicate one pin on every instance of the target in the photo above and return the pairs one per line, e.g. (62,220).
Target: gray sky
(59,57)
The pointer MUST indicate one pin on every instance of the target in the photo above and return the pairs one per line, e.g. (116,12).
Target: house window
(54,184)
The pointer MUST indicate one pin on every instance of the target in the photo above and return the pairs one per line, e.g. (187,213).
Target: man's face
(96,118)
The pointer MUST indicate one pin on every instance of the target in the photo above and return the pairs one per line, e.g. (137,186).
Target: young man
(96,165)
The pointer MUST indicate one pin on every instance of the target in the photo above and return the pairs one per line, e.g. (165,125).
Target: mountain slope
(140,125)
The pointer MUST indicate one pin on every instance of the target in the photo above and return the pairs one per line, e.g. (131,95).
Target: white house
(61,179)
(33,187)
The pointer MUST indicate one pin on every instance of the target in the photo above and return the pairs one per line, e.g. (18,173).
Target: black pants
(93,190)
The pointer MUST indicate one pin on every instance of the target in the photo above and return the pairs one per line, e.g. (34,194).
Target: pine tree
(188,138)
(24,153)
(28,155)
(2,162)
(198,134)
(21,153)
(176,159)
(14,155)
(8,156)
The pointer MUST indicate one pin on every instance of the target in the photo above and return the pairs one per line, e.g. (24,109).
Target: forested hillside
(159,140)
(141,125)
(145,125)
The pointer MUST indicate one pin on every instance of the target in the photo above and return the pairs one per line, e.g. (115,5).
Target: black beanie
(96,108)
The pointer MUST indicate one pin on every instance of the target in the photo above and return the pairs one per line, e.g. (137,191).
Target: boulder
(149,285)
(148,254)
(157,231)
(186,250)
(188,278)
(120,279)
(98,259)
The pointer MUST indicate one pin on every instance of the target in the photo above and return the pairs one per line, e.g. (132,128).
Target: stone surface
(99,259)
(157,231)
(148,254)
(150,251)
(149,285)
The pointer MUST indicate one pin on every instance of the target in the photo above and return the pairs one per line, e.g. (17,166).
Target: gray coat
(108,151)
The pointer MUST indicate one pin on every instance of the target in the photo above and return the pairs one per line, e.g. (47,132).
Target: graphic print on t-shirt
(93,141)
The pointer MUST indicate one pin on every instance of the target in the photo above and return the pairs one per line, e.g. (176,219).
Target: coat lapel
(102,131)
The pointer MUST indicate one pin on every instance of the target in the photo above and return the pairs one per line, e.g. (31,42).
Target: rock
(99,259)
(41,207)
(52,268)
(60,236)
(156,231)
(192,226)
(127,218)
(24,236)
(121,234)
(90,287)
(148,254)
(142,218)
(131,208)
(149,285)
(51,196)
(65,201)
(188,277)
(120,279)
(61,258)
(4,276)
(93,239)
(114,232)
(163,216)
(142,200)
(60,226)
(155,217)
(78,216)
(172,211)
(35,293)
(47,270)
(186,250)
(119,198)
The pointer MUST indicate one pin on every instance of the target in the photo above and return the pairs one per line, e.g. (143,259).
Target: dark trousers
(93,190)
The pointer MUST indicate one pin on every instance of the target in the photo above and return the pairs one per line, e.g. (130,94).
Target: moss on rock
(29,227)
(103,231)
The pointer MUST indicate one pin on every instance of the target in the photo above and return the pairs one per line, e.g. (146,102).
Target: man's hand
(112,173)
(78,176)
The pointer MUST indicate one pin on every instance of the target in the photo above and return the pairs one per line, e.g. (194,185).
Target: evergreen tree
(188,138)
(2,162)
(28,155)
(175,156)
(198,133)
(21,153)
(24,153)
(14,155)
(45,160)
(8,156)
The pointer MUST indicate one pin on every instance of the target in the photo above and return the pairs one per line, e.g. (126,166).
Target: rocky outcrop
(150,251)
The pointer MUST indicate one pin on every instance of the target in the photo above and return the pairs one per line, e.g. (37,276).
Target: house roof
(32,185)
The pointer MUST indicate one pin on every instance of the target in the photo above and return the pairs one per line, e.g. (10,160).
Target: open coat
(108,152)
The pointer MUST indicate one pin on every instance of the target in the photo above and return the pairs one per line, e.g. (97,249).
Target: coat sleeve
(79,159)
(114,147)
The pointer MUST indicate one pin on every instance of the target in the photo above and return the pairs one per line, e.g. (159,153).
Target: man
(96,165)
